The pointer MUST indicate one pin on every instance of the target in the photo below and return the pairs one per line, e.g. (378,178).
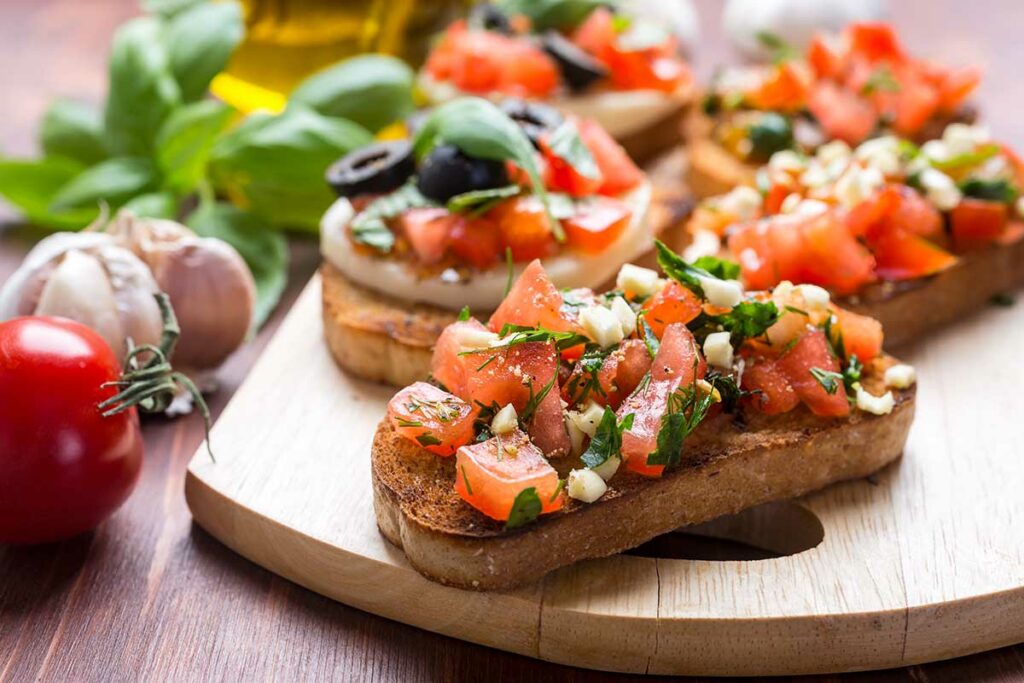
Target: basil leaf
(559,14)
(525,508)
(185,140)
(142,90)
(31,185)
(566,144)
(481,130)
(113,181)
(748,319)
(686,410)
(607,440)
(369,227)
(73,130)
(153,205)
(264,250)
(373,90)
(998,190)
(720,268)
(200,41)
(679,270)
(770,134)
(479,201)
(276,163)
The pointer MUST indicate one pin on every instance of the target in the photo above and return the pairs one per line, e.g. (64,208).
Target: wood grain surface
(150,596)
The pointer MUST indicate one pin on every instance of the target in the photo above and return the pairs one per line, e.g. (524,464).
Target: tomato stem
(148,381)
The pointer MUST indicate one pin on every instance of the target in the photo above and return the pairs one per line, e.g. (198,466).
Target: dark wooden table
(150,595)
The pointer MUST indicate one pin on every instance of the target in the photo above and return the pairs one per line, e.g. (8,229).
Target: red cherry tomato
(64,468)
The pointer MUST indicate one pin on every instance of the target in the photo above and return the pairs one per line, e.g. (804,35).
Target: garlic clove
(134,289)
(79,289)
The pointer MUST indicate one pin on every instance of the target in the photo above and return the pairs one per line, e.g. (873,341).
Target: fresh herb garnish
(402,422)
(585,379)
(834,336)
(607,440)
(525,508)
(428,440)
(723,269)
(687,407)
(511,335)
(566,144)
(557,14)
(558,490)
(880,80)
(535,398)
(748,320)
(727,387)
(997,190)
(369,226)
(477,202)
(464,314)
(830,381)
(978,156)
(794,309)
(678,269)
(465,480)
(781,51)
(852,373)
(771,133)
(511,266)
(650,339)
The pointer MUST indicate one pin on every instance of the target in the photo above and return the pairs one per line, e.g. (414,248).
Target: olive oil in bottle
(286,40)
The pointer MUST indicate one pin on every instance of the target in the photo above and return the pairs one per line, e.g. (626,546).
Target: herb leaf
(200,40)
(114,181)
(72,130)
(998,190)
(607,441)
(535,398)
(31,185)
(525,508)
(650,339)
(369,227)
(479,201)
(830,381)
(566,144)
(687,407)
(723,269)
(184,142)
(545,14)
(679,270)
(982,154)
(465,314)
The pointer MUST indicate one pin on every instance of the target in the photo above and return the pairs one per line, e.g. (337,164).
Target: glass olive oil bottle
(286,40)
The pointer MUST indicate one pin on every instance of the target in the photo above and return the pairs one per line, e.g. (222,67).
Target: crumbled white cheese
(472,339)
(625,314)
(585,485)
(858,184)
(742,201)
(811,207)
(815,176)
(936,150)
(576,435)
(790,203)
(815,298)
(787,160)
(721,293)
(876,405)
(782,292)
(833,151)
(961,138)
(587,418)
(881,153)
(718,349)
(608,468)
(940,189)
(601,325)
(900,376)
(505,421)
(640,281)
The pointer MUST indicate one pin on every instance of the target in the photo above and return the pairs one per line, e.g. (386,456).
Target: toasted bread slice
(729,465)
(386,339)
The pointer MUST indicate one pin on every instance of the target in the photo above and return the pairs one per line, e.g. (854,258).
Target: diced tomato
(525,227)
(449,367)
(824,60)
(862,335)
(674,303)
(519,374)
(477,241)
(842,114)
(489,475)
(561,176)
(774,394)
(651,69)
(874,41)
(913,104)
(596,32)
(528,71)
(678,363)
(773,200)
(957,85)
(977,222)
(427,230)
(900,255)
(533,301)
(432,418)
(617,169)
(597,224)
(812,352)
(785,89)
(618,376)
(904,209)
(834,258)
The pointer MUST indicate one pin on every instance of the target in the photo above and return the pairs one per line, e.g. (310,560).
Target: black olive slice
(533,117)
(491,18)
(378,168)
(579,68)
(446,172)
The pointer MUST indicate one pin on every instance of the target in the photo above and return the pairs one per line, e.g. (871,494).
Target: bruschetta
(914,237)
(850,87)
(574,425)
(587,59)
(426,226)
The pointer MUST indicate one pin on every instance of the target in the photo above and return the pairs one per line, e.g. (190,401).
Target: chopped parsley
(464,314)
(881,80)
(535,398)
(723,269)
(465,480)
(428,439)
(525,508)
(585,379)
(369,226)
(477,202)
(830,381)
(996,190)
(650,339)
(686,409)
(607,441)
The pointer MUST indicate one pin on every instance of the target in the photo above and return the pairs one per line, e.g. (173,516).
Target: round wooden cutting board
(924,562)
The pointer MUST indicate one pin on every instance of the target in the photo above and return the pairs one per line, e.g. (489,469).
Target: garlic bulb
(210,287)
(89,278)
(794,21)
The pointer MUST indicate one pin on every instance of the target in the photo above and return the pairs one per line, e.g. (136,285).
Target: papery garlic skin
(88,278)
(210,286)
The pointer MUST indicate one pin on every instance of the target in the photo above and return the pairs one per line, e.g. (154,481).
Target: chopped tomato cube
(489,475)
(833,257)
(904,209)
(904,256)
(674,303)
(477,241)
(773,392)
(678,363)
(784,90)
(810,355)
(427,230)
(618,376)
(449,366)
(527,71)
(597,224)
(957,85)
(525,227)
(977,222)
(842,114)
(824,59)
(618,170)
(534,301)
(912,105)
(874,41)
(773,200)
(432,418)
(561,176)
(597,31)
(862,334)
